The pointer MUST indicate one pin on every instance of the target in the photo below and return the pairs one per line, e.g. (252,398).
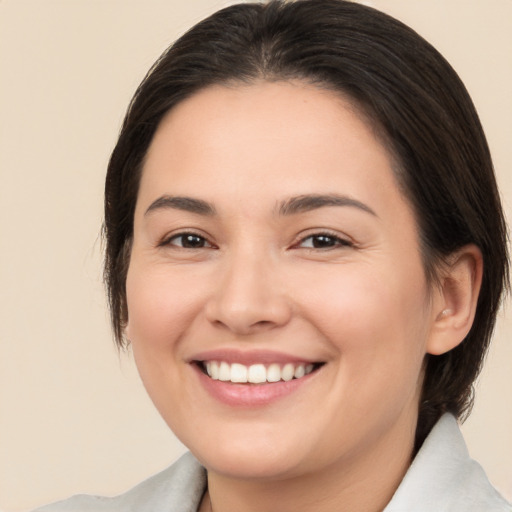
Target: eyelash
(183,236)
(336,241)
(330,241)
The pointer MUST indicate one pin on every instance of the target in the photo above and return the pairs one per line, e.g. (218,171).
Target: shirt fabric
(442,478)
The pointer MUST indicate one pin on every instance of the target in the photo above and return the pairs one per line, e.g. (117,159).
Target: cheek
(375,319)
(161,308)
(380,333)
(160,304)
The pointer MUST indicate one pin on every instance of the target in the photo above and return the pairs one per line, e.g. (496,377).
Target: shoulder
(444,478)
(178,488)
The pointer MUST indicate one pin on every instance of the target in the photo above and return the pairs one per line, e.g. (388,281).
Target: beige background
(73,415)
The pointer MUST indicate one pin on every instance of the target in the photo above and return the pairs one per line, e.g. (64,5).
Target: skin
(359,304)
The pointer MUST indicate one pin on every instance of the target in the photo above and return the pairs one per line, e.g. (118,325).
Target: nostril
(262,323)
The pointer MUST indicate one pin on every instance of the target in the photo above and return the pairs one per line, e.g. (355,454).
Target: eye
(188,241)
(323,241)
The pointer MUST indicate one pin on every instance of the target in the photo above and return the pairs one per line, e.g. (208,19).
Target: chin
(249,457)
(256,466)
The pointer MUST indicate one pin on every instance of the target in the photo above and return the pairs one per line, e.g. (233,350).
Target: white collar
(443,477)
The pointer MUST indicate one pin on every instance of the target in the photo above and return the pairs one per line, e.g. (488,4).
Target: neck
(364,482)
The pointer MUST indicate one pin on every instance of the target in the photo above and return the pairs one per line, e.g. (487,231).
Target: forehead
(247,148)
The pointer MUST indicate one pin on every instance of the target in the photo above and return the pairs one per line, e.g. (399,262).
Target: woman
(306,252)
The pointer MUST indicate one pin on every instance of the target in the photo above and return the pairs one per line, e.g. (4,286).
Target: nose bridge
(248,294)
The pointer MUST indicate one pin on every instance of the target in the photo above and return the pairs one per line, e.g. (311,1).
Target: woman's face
(271,241)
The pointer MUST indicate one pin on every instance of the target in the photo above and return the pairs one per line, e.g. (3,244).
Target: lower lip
(250,395)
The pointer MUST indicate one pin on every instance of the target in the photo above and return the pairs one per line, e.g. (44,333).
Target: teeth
(256,373)
(213,370)
(288,371)
(274,373)
(224,371)
(300,371)
(238,373)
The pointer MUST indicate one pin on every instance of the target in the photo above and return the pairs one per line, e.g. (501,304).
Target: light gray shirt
(442,478)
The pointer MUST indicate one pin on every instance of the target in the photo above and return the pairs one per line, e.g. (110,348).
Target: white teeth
(287,372)
(238,373)
(274,373)
(300,371)
(213,371)
(224,371)
(256,373)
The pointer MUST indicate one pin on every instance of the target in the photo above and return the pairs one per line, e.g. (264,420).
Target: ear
(455,300)
(126,332)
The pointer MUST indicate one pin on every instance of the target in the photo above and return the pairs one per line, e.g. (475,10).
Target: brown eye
(323,241)
(189,241)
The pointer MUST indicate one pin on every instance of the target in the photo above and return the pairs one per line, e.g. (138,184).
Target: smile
(256,373)
(256,378)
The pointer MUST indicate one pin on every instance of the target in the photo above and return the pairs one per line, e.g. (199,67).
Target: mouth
(259,373)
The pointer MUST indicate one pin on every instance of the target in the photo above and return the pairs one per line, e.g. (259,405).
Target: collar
(443,477)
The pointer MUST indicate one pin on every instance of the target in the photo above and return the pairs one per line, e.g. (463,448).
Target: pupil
(323,241)
(193,241)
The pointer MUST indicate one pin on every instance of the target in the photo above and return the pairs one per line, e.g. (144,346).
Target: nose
(248,296)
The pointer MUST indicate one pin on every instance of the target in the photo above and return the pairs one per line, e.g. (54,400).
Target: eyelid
(166,241)
(342,241)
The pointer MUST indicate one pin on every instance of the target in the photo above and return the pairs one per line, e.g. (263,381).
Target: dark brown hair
(416,102)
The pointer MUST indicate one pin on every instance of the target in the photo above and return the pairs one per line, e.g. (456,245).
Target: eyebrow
(188,204)
(292,206)
(308,202)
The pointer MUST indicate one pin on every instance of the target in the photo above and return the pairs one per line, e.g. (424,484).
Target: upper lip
(249,357)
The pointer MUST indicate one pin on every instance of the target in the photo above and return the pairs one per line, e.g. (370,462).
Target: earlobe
(456,299)
(126,332)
